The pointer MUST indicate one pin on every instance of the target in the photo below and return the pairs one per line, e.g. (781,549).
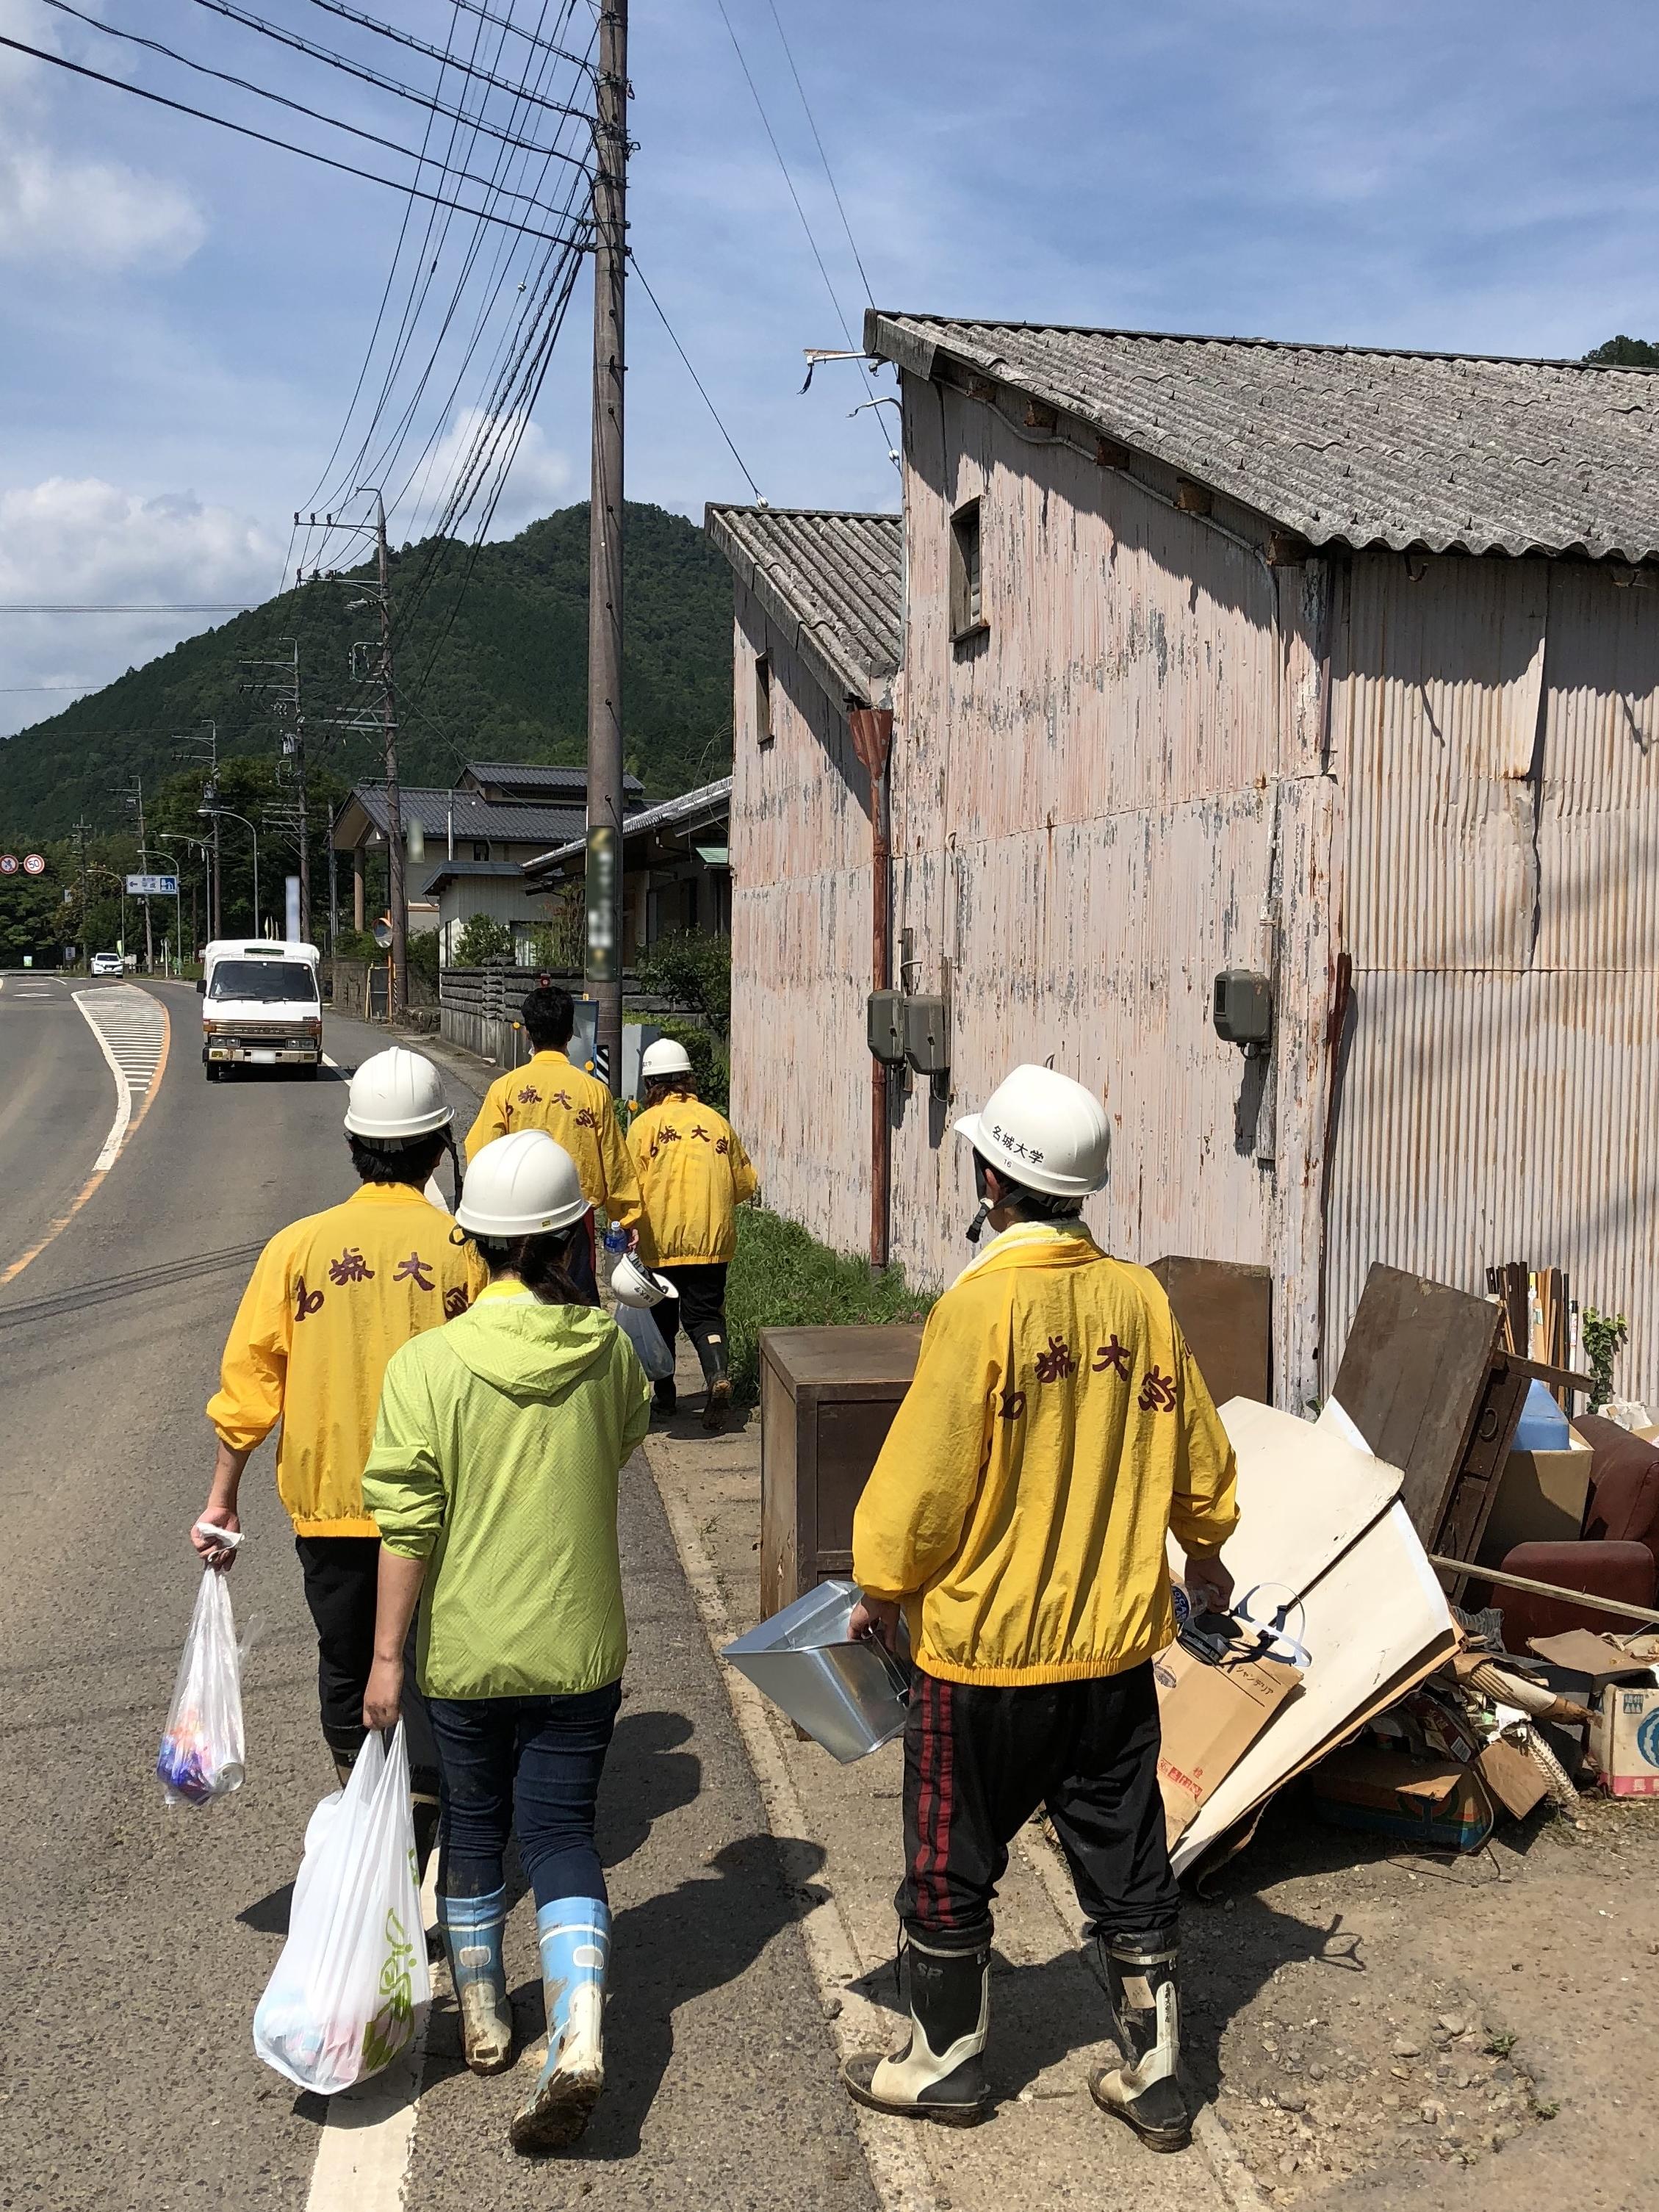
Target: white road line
(369,2137)
(118,1026)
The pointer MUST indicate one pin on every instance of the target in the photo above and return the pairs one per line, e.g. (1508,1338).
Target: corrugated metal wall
(800,945)
(1083,822)
(1498,742)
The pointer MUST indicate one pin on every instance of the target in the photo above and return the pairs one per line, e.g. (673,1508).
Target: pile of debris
(1348,1660)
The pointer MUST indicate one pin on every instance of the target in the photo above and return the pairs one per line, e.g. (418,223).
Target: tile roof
(536,776)
(458,870)
(1344,444)
(474,817)
(832,583)
(707,803)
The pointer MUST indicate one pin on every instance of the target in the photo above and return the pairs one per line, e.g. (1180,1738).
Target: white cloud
(59,210)
(82,541)
(539,480)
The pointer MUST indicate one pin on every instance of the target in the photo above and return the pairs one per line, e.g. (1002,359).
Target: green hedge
(784,1279)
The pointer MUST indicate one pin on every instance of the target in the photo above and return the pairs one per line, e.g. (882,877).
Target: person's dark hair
(1029,1205)
(539,1262)
(397,1159)
(659,1087)
(549,1014)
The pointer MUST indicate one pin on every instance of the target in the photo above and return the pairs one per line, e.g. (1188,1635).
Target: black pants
(701,1306)
(977,1764)
(341,1575)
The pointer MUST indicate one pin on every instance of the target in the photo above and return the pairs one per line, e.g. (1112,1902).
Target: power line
(325,54)
(766,125)
(812,122)
(282,145)
(199,607)
(674,341)
(420,45)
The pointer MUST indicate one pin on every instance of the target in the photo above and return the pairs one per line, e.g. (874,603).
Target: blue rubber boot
(473,1937)
(574,1933)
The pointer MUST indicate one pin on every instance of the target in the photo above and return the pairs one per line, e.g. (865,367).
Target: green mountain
(490,665)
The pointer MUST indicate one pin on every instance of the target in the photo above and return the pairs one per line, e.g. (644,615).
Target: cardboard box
(1513,1781)
(1625,1738)
(1580,1651)
(1541,1500)
(1435,1803)
(1211,1713)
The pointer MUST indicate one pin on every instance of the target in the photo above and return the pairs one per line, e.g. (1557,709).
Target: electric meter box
(928,1035)
(885,1019)
(1243,1007)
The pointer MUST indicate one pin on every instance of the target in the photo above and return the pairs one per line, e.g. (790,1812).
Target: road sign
(7,864)
(152,886)
(34,865)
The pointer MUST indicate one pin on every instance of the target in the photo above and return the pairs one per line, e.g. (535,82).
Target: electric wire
(244,130)
(811,125)
(674,340)
(263,92)
(856,351)
(408,38)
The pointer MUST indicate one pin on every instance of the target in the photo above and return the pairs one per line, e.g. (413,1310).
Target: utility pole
(210,746)
(397,898)
(82,831)
(290,714)
(604,587)
(136,801)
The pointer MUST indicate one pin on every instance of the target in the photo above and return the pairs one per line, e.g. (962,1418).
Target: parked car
(108,963)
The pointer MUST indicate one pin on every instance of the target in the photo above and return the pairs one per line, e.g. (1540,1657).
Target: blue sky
(186,313)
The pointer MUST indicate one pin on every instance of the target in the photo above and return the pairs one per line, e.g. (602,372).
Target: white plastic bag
(641,1331)
(352,1983)
(201,1756)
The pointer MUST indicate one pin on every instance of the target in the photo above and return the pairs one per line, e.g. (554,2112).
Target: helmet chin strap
(977,1225)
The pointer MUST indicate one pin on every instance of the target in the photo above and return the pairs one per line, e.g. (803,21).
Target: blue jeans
(529,1765)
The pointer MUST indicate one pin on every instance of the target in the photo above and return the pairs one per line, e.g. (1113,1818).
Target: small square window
(765,732)
(480,851)
(967,586)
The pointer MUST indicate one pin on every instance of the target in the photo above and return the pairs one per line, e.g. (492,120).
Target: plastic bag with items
(638,1325)
(201,1756)
(352,1983)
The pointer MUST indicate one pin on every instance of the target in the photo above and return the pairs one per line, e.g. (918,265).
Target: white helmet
(396,1094)
(520,1186)
(634,1284)
(1041,1129)
(666,1057)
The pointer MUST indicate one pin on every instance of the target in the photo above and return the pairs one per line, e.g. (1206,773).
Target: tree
(483,939)
(693,970)
(1625,353)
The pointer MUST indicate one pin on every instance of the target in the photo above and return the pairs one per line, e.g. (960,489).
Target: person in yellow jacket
(693,1174)
(331,1299)
(1057,1430)
(577,1111)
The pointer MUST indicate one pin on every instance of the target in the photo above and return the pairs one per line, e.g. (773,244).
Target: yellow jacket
(1056,1430)
(575,1108)
(695,1174)
(331,1299)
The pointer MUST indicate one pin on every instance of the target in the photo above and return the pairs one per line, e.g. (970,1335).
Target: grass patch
(784,1279)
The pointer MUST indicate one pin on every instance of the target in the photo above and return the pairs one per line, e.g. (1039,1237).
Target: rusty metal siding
(1082,827)
(1501,1071)
(800,945)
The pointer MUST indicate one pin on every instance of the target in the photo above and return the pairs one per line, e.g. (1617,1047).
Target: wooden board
(1226,1311)
(1414,1381)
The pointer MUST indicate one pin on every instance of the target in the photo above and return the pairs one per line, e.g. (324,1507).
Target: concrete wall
(800,945)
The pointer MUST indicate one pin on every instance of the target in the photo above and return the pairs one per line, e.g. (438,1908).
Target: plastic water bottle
(616,1238)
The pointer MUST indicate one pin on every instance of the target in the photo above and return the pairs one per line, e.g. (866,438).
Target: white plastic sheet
(202,1754)
(352,1983)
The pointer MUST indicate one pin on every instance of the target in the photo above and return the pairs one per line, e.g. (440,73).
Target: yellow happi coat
(695,1174)
(576,1109)
(1056,1430)
(331,1298)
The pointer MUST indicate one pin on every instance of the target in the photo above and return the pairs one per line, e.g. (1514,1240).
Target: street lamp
(214,813)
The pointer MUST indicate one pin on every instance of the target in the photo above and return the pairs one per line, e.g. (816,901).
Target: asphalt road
(135,1939)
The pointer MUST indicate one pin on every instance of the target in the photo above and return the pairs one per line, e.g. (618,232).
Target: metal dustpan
(850,1698)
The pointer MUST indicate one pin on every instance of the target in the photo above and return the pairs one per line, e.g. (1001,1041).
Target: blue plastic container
(1543,1425)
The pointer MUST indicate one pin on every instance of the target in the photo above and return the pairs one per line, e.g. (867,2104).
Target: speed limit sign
(34,865)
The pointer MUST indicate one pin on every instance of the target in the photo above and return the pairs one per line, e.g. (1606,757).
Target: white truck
(260,1007)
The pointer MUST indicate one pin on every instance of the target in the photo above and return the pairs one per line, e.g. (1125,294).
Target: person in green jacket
(493,1481)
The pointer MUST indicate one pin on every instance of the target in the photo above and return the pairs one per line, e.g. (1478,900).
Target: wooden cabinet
(828,1398)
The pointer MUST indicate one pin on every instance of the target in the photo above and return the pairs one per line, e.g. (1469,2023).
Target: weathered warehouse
(818,610)
(1334,665)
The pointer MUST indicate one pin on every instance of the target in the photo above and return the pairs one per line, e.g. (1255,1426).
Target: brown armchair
(1616,1557)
